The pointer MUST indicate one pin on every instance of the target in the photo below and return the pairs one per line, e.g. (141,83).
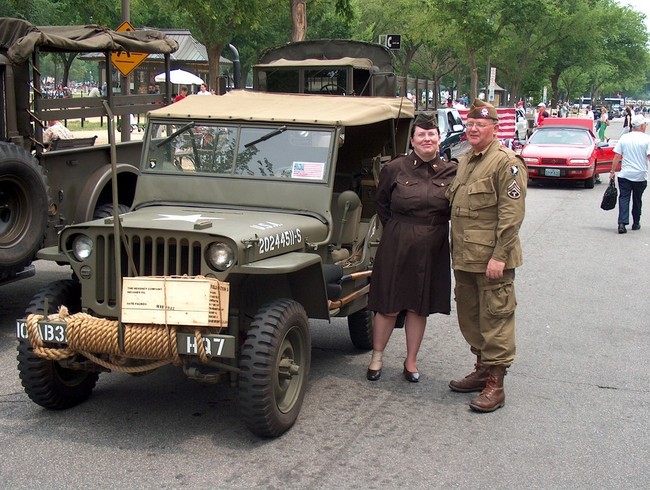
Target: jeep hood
(237,224)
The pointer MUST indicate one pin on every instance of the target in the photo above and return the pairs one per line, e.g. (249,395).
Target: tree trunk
(214,54)
(471,58)
(298,20)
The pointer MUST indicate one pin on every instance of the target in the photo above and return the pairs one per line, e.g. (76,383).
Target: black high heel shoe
(411,377)
(373,374)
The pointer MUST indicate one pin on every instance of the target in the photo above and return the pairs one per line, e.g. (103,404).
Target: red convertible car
(565,149)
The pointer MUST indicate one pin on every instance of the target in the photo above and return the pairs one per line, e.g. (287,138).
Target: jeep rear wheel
(274,363)
(23,208)
(360,326)
(46,382)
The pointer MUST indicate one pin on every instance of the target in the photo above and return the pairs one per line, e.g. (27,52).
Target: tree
(298,20)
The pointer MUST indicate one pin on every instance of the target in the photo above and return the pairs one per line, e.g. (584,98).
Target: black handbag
(609,198)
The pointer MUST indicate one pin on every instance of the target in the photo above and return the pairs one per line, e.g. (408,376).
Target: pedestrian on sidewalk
(633,151)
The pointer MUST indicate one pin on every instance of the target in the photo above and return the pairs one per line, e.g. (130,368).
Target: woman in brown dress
(412,268)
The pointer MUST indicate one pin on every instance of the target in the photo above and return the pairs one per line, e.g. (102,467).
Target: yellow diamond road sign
(124,61)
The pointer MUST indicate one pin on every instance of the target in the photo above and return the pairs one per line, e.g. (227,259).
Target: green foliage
(569,46)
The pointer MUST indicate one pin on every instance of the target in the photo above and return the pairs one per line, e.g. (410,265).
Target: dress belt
(417,220)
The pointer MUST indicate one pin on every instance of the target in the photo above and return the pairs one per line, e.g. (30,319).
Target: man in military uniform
(487,208)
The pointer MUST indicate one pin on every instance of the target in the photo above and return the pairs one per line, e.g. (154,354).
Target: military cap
(425,121)
(482,110)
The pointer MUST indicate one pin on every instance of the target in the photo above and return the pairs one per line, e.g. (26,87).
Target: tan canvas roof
(363,63)
(244,105)
(20,38)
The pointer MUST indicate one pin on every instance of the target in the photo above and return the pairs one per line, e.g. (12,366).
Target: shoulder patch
(514,169)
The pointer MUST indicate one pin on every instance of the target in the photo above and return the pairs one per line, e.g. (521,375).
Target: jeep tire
(46,382)
(23,208)
(274,364)
(360,326)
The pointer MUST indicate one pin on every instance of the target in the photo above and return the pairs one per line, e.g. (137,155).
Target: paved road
(578,397)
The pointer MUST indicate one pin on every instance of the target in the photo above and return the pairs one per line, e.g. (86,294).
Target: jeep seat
(346,216)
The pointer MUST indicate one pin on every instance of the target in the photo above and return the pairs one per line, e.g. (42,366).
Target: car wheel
(590,182)
(46,382)
(360,326)
(274,366)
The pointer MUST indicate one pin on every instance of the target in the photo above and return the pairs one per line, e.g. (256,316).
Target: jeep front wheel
(46,382)
(274,364)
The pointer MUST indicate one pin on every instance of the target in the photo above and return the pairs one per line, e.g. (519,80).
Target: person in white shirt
(56,131)
(204,90)
(633,151)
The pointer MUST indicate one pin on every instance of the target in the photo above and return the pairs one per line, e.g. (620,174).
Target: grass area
(75,125)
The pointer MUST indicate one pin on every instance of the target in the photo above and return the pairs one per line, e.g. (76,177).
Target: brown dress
(412,266)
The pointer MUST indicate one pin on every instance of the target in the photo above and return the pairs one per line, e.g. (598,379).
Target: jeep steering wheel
(332,89)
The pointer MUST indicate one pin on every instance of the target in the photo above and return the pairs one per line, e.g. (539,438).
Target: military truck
(353,68)
(267,199)
(42,191)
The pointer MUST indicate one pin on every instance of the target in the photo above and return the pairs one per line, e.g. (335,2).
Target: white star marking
(190,218)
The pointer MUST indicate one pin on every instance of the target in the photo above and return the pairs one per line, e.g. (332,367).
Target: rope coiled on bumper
(88,336)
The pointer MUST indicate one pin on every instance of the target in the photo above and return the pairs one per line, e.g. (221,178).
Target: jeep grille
(152,256)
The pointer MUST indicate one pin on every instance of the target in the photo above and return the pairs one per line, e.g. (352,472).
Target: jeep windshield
(264,151)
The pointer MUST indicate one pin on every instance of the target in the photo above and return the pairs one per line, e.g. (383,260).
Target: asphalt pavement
(576,415)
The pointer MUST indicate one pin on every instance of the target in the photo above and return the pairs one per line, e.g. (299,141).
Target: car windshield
(560,136)
(262,151)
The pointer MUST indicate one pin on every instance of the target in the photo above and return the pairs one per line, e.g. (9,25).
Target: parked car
(566,149)
(453,142)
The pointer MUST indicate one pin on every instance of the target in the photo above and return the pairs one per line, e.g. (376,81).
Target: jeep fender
(97,190)
(297,275)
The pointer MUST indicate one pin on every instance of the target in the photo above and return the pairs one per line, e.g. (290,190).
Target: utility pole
(125,120)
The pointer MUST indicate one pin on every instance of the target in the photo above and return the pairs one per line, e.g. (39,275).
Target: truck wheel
(274,363)
(46,382)
(360,326)
(106,210)
(23,208)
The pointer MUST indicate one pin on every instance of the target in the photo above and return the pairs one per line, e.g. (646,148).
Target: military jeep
(271,195)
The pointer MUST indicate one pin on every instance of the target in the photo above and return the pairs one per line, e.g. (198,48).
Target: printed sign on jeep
(271,195)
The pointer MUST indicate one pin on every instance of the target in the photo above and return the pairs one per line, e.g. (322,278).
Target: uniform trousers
(486,315)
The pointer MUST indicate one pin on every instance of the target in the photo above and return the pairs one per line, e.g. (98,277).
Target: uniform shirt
(408,186)
(635,148)
(487,208)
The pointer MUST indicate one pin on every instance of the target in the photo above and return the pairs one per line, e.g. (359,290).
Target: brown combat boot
(474,381)
(493,396)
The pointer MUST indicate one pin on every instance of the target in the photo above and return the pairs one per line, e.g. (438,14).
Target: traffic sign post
(124,61)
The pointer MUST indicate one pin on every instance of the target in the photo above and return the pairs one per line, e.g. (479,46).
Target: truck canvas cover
(241,105)
(19,39)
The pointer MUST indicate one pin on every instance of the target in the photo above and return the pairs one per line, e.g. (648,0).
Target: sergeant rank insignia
(514,191)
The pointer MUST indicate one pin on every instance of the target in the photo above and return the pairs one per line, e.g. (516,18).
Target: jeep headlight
(220,256)
(82,247)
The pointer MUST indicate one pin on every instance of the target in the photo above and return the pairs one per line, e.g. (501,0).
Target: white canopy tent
(180,77)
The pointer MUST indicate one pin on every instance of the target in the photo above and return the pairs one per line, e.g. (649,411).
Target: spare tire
(23,208)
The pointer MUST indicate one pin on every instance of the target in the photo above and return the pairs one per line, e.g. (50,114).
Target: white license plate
(215,345)
(552,172)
